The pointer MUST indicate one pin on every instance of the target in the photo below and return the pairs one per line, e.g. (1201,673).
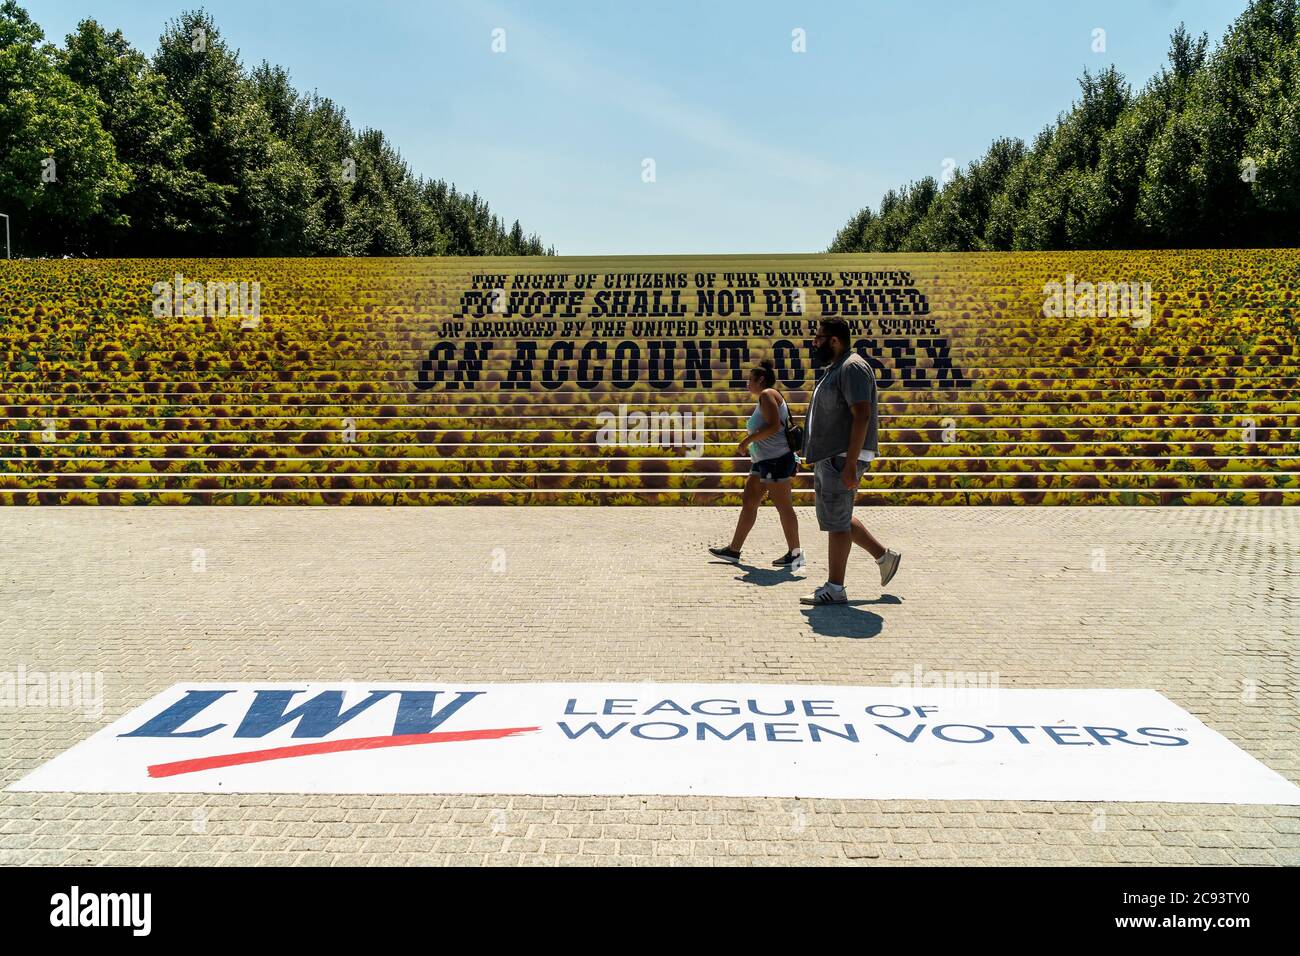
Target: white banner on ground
(680,739)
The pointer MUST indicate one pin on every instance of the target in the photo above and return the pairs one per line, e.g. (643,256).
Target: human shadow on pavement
(848,620)
(765,577)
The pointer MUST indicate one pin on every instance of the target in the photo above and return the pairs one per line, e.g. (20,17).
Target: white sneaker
(826,595)
(888,563)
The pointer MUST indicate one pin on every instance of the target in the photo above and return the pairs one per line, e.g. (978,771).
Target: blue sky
(756,148)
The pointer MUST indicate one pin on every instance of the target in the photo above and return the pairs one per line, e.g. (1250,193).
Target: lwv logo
(318,717)
(103,909)
(210,300)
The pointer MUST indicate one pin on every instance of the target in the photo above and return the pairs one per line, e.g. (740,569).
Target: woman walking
(773,469)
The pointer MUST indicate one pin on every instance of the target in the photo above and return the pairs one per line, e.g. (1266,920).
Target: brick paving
(1202,605)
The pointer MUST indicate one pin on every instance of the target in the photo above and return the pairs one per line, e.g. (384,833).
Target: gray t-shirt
(830,412)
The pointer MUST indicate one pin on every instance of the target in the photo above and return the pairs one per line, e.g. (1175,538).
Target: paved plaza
(1200,604)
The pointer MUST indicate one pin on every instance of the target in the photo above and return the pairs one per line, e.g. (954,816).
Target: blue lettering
(816,730)
(902,711)
(600,732)
(910,738)
(570,712)
(637,731)
(1015,730)
(611,704)
(318,717)
(732,708)
(701,727)
(772,732)
(1115,734)
(174,717)
(1057,733)
(414,710)
(986,734)
(810,705)
(789,709)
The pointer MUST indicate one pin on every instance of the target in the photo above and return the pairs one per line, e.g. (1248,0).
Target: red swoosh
(330,746)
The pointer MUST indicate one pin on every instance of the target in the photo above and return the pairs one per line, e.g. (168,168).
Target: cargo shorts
(834,502)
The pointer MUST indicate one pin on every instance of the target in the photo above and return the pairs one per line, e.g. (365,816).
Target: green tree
(1206,154)
(188,153)
(958,216)
(165,196)
(59,175)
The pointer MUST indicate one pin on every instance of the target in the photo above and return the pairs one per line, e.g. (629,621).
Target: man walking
(841,440)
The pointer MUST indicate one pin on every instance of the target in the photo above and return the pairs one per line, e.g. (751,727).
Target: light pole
(6,219)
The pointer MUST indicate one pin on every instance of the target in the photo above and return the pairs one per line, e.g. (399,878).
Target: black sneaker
(726,554)
(788,559)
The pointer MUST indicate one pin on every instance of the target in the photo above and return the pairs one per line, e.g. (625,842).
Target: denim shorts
(834,502)
(782,468)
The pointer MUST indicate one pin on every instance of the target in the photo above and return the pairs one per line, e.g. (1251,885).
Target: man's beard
(824,354)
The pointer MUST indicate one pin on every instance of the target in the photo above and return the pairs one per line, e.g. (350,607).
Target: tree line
(107,152)
(1205,155)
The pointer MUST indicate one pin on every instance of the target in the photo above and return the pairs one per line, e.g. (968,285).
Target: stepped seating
(353,386)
